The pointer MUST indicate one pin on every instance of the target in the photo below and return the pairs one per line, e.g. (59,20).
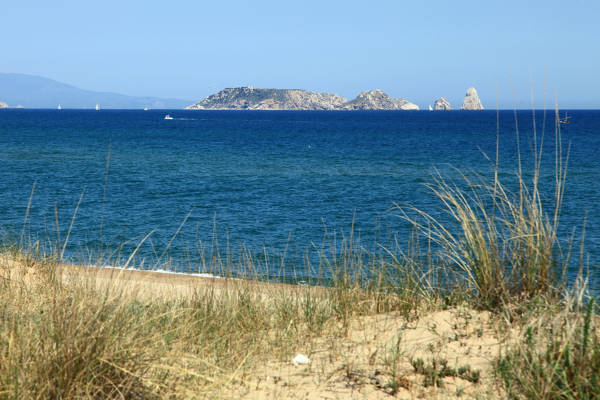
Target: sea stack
(403,104)
(471,101)
(442,104)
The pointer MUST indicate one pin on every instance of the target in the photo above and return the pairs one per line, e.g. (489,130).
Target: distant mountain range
(32,91)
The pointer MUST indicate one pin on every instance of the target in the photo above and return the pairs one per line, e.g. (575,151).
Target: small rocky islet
(250,98)
(5,105)
(471,101)
(442,104)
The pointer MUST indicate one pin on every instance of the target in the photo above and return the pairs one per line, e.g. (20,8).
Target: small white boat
(97,107)
(146,108)
(168,117)
(59,107)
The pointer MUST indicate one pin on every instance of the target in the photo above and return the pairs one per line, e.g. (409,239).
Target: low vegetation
(558,358)
(434,372)
(67,335)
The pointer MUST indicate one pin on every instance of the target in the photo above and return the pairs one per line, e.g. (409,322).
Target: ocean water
(270,182)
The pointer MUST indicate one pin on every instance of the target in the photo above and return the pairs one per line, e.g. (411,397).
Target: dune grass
(502,244)
(557,358)
(66,336)
(504,249)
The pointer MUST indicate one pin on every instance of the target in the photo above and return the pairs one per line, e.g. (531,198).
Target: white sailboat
(59,107)
(168,117)
(97,107)
(430,108)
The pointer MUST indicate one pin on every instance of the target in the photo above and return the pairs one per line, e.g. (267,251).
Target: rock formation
(378,100)
(402,104)
(471,101)
(3,104)
(442,104)
(249,98)
(371,100)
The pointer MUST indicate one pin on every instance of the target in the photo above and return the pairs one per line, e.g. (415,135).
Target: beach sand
(373,360)
(357,366)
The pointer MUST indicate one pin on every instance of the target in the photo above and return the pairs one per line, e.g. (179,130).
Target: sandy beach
(373,357)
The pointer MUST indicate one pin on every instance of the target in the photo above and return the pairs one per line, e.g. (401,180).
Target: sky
(418,50)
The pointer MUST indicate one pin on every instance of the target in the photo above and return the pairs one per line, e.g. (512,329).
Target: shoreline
(161,284)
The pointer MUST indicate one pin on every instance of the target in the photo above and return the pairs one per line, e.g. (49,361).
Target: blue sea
(269,184)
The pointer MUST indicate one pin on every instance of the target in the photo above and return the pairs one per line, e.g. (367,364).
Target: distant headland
(38,92)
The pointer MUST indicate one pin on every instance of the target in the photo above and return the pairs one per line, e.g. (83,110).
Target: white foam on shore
(161,271)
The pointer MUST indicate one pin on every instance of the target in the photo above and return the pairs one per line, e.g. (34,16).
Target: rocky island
(471,101)
(249,98)
(442,104)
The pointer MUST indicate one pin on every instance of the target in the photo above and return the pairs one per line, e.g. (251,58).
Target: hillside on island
(249,98)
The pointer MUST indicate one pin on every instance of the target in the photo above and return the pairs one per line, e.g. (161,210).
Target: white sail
(97,107)
(59,107)
(430,109)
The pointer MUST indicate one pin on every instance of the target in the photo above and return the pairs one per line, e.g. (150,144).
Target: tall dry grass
(68,335)
(503,243)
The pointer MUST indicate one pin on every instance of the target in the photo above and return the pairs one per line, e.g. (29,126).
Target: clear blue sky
(419,50)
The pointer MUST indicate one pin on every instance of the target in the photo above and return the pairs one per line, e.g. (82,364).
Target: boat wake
(168,117)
